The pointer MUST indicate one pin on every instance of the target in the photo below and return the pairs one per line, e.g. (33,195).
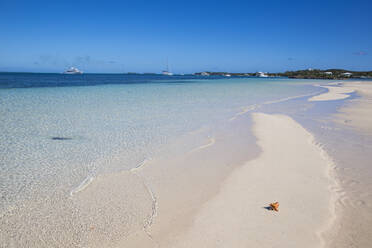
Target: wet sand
(237,216)
(353,152)
(291,169)
(348,140)
(358,112)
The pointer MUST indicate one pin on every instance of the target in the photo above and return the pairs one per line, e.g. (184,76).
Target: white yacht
(262,74)
(73,70)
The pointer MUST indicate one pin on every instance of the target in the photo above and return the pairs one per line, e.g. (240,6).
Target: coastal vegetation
(300,74)
(326,74)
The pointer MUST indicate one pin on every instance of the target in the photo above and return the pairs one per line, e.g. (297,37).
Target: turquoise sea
(56,129)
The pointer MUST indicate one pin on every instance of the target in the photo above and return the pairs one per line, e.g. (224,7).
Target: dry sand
(334,93)
(352,151)
(358,114)
(354,171)
(293,170)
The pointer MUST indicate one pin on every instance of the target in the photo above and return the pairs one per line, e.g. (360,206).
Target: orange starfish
(274,206)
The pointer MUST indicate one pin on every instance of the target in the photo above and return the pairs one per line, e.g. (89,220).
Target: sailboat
(167,72)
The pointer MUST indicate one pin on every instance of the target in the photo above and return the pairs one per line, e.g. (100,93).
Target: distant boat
(167,72)
(262,74)
(227,75)
(73,70)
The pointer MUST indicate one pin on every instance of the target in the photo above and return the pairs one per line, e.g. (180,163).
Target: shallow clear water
(54,140)
(57,136)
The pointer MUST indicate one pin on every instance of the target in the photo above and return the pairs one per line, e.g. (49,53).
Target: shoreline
(348,141)
(236,216)
(357,114)
(354,118)
(165,197)
(212,188)
(334,93)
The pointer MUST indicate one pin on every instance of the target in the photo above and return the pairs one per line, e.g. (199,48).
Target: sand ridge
(293,170)
(357,114)
(334,93)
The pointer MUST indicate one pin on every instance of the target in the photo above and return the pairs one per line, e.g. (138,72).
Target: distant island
(300,74)
(326,74)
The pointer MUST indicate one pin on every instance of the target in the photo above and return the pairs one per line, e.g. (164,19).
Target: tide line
(85,183)
(245,110)
(211,142)
(140,165)
(333,93)
(154,208)
(256,106)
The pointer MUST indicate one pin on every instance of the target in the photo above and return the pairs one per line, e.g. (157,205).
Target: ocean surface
(60,132)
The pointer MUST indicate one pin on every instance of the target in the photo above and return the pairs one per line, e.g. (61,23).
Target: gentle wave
(245,110)
(140,165)
(334,187)
(154,211)
(82,185)
(256,106)
(210,143)
(291,98)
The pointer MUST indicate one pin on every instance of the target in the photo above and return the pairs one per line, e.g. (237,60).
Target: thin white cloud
(360,53)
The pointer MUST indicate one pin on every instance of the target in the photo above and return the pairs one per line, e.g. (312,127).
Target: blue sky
(139,36)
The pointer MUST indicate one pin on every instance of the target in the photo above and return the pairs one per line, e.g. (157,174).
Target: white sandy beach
(291,169)
(354,206)
(334,93)
(358,114)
